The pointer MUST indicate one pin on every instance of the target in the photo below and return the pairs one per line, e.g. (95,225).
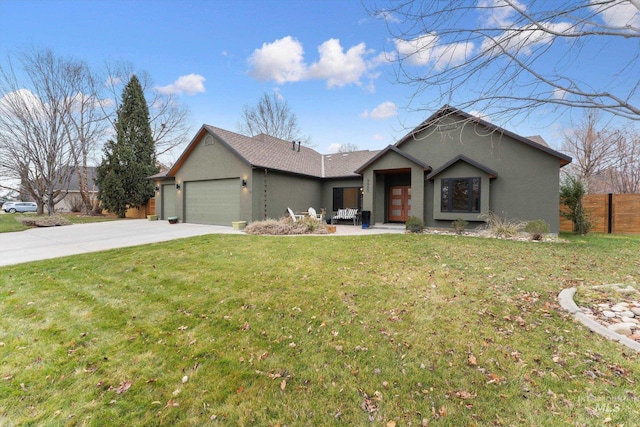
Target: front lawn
(11,222)
(390,330)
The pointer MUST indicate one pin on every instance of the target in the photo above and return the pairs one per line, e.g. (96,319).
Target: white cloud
(388,17)
(559,94)
(498,13)
(336,66)
(22,103)
(480,115)
(378,137)
(283,61)
(524,40)
(383,111)
(189,84)
(427,50)
(113,81)
(619,14)
(334,148)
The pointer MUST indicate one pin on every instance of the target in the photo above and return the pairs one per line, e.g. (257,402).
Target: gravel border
(566,301)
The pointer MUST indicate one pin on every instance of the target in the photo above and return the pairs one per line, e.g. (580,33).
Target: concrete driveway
(52,242)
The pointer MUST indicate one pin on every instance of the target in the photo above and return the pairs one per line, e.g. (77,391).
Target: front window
(460,195)
(347,197)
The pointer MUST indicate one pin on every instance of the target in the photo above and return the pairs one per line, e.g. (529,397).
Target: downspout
(264,215)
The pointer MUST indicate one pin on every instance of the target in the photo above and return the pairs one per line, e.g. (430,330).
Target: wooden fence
(610,213)
(148,209)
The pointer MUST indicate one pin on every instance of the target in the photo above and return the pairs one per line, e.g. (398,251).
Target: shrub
(286,226)
(537,229)
(414,225)
(44,221)
(571,192)
(75,203)
(459,225)
(503,227)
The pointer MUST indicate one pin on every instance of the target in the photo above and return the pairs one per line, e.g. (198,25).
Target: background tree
(593,148)
(506,57)
(606,158)
(84,128)
(41,126)
(167,117)
(624,175)
(272,116)
(348,147)
(130,159)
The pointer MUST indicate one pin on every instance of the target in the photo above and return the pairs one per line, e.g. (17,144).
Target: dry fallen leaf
(463,394)
(368,405)
(283,385)
(124,386)
(471,360)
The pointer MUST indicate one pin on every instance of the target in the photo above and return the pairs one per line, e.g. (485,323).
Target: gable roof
(346,164)
(447,111)
(264,151)
(461,158)
(393,148)
(73,183)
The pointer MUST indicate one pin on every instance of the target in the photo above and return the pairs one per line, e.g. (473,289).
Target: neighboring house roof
(535,142)
(465,159)
(74,184)
(264,151)
(538,139)
(395,149)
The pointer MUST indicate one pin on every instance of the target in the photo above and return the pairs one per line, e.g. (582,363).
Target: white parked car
(13,207)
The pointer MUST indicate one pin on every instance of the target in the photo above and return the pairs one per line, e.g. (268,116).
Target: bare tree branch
(34,114)
(271,116)
(508,57)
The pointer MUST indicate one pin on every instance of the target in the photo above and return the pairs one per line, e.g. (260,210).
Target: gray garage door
(168,200)
(212,202)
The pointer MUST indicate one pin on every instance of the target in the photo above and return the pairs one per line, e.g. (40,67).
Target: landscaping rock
(621,328)
(608,314)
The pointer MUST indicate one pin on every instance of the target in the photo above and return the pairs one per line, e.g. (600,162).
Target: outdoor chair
(313,214)
(294,217)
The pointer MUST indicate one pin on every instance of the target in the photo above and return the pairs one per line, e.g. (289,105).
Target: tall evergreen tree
(130,159)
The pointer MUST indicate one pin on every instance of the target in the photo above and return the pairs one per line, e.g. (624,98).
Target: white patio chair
(294,217)
(314,214)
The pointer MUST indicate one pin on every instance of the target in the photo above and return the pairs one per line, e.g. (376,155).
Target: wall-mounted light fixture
(177,186)
(244,183)
(157,188)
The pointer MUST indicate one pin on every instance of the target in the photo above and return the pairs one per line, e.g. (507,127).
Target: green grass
(297,331)
(11,222)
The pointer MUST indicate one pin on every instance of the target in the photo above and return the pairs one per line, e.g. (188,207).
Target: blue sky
(325,58)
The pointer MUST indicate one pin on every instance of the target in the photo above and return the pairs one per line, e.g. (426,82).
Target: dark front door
(399,203)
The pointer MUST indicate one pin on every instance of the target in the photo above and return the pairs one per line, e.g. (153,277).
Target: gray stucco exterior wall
(275,191)
(527,185)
